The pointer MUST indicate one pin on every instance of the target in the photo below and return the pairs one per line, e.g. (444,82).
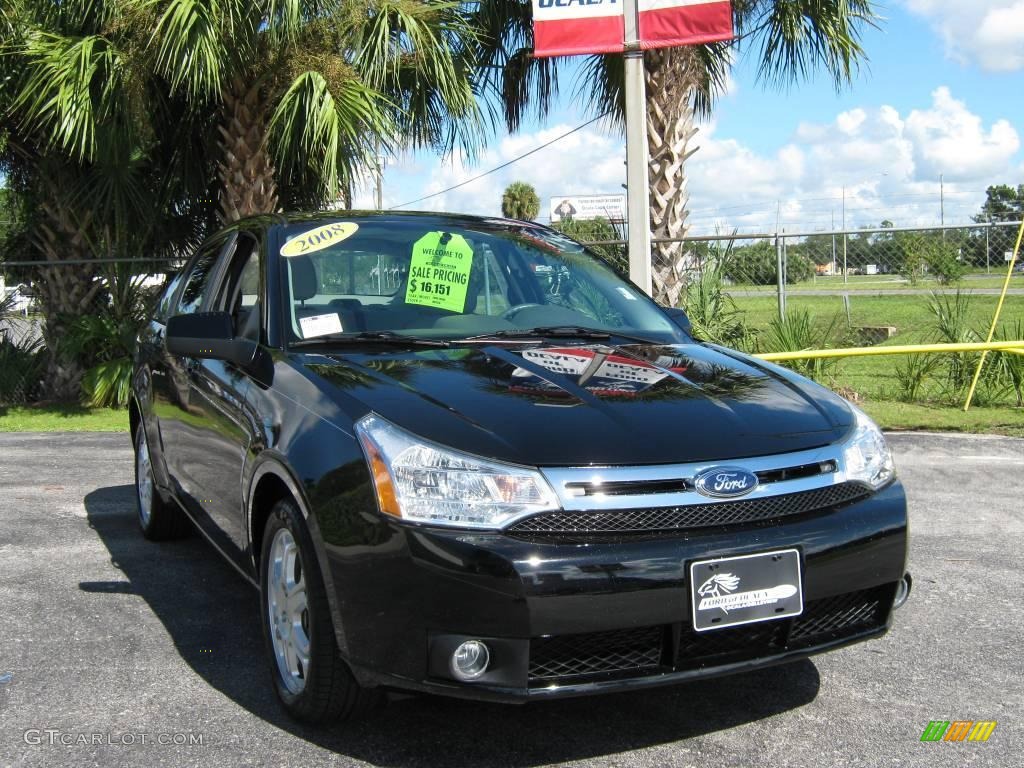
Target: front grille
(631,521)
(617,651)
(638,652)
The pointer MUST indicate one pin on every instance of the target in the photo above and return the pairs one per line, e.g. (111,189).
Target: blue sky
(941,95)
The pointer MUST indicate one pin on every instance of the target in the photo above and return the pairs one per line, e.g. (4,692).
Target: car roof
(428,217)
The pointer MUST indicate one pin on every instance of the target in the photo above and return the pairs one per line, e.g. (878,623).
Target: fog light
(470,660)
(903,591)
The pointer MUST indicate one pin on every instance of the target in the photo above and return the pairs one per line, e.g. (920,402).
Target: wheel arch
(272,481)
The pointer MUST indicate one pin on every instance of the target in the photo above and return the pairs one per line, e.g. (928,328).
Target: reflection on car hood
(582,404)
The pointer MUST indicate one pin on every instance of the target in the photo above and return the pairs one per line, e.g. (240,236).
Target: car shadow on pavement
(210,613)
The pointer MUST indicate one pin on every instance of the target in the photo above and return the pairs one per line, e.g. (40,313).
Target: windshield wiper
(557,332)
(370,337)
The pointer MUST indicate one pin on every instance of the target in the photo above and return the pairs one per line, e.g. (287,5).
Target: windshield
(430,279)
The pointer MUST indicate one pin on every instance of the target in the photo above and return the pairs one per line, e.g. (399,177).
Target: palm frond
(795,38)
(197,41)
(422,56)
(314,122)
(74,87)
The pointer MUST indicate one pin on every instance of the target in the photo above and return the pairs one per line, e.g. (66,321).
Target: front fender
(270,462)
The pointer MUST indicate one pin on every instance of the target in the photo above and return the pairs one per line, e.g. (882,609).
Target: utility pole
(379,175)
(638,205)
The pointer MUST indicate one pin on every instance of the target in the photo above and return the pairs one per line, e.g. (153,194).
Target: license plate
(729,591)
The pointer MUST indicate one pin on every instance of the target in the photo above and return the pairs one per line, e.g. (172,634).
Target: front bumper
(569,619)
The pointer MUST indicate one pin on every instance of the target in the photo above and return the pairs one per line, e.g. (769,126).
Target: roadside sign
(579,207)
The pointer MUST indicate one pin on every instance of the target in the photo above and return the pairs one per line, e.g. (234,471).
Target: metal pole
(942,205)
(781,278)
(846,274)
(833,241)
(637,184)
(988,264)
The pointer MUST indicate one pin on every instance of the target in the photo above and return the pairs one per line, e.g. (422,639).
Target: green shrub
(796,332)
(22,364)
(758,264)
(712,312)
(105,342)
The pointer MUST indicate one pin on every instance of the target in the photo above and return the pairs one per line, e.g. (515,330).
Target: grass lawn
(930,418)
(869,283)
(62,418)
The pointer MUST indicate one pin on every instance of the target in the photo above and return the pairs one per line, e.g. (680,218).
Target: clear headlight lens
(867,455)
(427,483)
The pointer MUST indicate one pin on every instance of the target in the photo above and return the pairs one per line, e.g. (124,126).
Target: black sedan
(463,456)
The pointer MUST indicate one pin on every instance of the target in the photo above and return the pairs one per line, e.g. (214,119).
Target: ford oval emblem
(725,482)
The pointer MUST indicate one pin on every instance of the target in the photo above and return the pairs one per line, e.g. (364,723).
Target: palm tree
(520,201)
(305,88)
(77,150)
(791,39)
(125,119)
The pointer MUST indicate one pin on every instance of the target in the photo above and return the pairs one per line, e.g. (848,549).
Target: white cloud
(589,161)
(949,139)
(987,32)
(887,164)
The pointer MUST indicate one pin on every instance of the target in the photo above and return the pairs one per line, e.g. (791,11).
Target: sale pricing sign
(439,272)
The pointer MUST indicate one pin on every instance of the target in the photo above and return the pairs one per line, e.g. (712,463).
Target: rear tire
(158,519)
(312,680)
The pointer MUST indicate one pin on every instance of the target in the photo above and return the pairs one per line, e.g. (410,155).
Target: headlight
(427,483)
(867,455)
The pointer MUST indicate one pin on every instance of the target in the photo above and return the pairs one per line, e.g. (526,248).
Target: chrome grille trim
(567,481)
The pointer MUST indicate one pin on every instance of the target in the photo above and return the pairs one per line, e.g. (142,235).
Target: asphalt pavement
(116,651)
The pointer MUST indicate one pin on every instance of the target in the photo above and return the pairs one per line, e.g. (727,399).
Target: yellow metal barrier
(1014,347)
(995,318)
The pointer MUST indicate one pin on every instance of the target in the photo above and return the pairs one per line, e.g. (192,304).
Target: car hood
(586,404)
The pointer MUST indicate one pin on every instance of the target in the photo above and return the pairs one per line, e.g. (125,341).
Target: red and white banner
(573,27)
(569,28)
(669,23)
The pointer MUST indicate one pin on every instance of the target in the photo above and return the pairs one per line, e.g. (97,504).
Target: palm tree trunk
(246,172)
(672,75)
(65,292)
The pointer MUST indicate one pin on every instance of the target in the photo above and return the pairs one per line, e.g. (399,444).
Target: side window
(163,309)
(240,292)
(198,280)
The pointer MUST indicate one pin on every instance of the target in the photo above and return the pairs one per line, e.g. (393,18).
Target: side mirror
(679,317)
(209,335)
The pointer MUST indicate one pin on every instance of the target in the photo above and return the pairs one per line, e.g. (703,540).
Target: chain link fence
(776,292)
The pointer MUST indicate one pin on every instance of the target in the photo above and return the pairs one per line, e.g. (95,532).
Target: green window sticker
(439,272)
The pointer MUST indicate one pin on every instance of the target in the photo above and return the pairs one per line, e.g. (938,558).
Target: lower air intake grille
(822,621)
(639,652)
(625,650)
(632,521)
(839,615)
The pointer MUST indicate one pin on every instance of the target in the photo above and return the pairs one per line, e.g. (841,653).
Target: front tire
(312,681)
(158,519)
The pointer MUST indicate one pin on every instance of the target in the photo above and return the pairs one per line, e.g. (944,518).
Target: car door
(172,407)
(221,437)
